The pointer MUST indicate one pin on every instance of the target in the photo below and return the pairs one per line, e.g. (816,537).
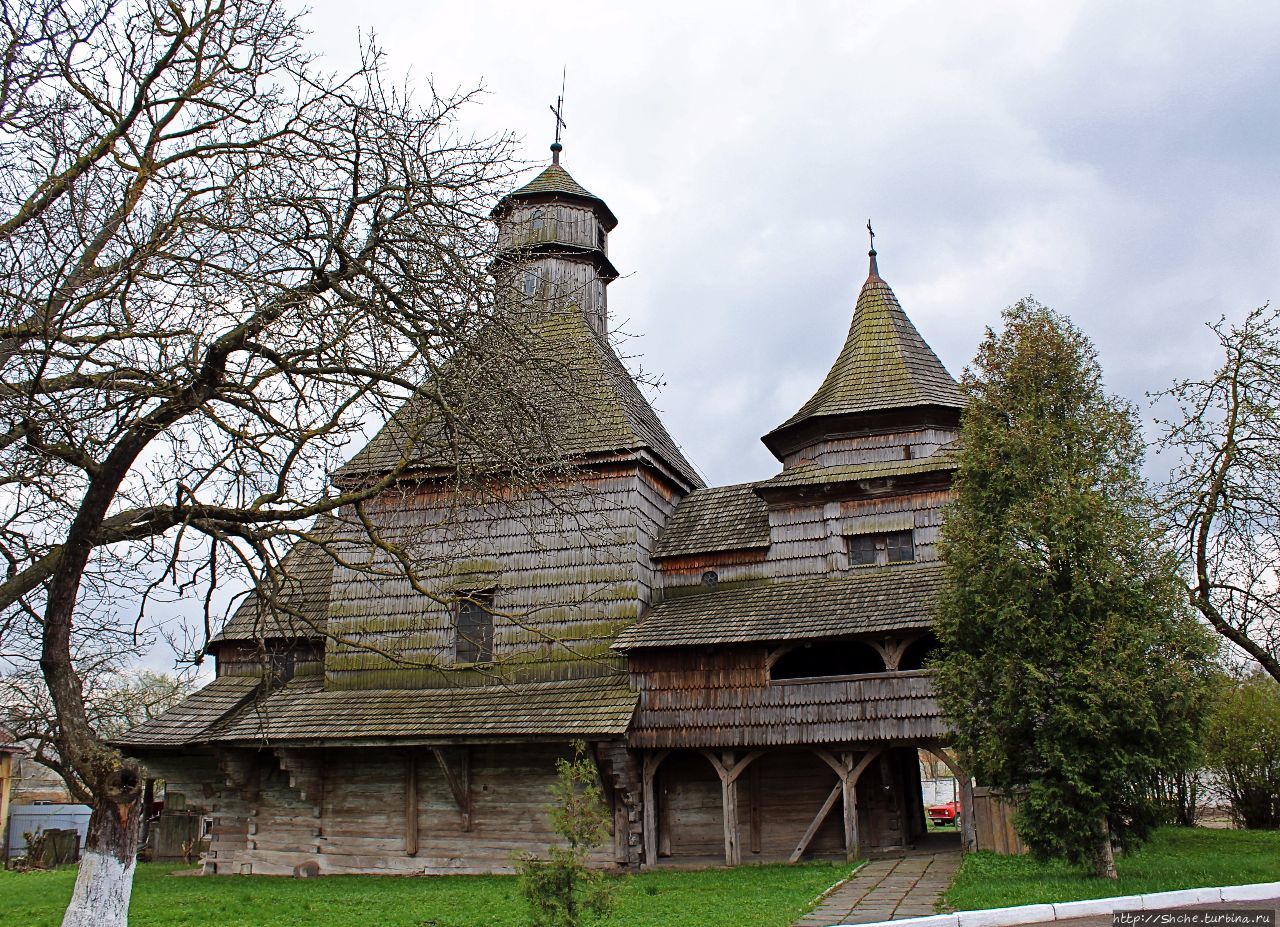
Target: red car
(942,815)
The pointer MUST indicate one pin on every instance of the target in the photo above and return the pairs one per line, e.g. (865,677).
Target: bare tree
(115,700)
(218,266)
(1223,498)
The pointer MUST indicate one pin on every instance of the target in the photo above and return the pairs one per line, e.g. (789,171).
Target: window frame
(475,600)
(882,543)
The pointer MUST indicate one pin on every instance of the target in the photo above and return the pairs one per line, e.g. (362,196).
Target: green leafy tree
(562,890)
(1242,746)
(1071,670)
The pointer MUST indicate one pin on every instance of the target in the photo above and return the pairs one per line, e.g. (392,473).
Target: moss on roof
(193,717)
(579,397)
(302,594)
(861,602)
(555,180)
(717,519)
(884,364)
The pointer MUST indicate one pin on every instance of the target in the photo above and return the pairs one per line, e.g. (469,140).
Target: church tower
(553,244)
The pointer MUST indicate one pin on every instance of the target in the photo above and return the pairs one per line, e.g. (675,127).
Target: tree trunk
(105,880)
(1105,867)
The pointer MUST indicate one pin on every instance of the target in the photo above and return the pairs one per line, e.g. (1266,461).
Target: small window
(538,223)
(862,549)
(880,549)
(530,283)
(473,627)
(600,238)
(900,546)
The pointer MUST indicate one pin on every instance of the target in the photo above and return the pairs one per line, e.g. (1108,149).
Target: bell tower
(553,245)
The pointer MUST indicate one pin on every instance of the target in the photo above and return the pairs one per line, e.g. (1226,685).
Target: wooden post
(756,811)
(648,772)
(849,796)
(729,770)
(847,788)
(968,816)
(729,802)
(411,806)
(968,822)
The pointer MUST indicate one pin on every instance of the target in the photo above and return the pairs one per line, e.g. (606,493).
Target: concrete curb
(1037,913)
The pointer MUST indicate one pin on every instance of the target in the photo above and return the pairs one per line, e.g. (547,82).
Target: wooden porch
(710,806)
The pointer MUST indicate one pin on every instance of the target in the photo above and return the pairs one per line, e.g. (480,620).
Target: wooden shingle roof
(304,711)
(859,602)
(191,720)
(884,364)
(306,574)
(554,180)
(717,519)
(592,403)
(814,475)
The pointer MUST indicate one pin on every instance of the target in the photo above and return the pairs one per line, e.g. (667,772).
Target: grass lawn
(751,896)
(1176,857)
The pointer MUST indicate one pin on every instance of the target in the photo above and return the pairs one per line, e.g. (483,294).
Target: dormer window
(881,548)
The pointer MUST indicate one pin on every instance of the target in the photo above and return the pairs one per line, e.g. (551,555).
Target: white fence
(26,819)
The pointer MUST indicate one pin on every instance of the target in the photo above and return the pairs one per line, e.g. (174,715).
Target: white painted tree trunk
(101,896)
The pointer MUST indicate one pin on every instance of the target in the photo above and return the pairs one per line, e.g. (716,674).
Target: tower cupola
(886,378)
(553,244)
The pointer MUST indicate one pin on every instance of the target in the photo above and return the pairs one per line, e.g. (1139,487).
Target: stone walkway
(886,888)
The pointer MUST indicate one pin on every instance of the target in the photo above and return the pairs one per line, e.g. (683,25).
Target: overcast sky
(1117,161)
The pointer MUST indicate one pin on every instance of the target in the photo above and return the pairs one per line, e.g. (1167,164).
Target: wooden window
(538,223)
(862,549)
(530,283)
(900,547)
(473,627)
(879,549)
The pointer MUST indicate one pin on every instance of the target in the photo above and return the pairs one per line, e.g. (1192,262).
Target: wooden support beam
(729,769)
(755,808)
(455,763)
(847,787)
(729,804)
(849,804)
(817,822)
(411,805)
(649,798)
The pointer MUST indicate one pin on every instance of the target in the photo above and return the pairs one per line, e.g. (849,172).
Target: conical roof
(556,181)
(884,365)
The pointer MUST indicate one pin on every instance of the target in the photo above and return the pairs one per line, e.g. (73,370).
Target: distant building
(746,662)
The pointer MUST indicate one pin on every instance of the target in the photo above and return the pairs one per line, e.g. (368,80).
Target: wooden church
(747,663)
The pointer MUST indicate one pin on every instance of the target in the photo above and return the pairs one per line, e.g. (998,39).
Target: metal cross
(558,109)
(872,232)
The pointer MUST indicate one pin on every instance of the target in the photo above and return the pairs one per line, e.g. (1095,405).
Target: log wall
(346,811)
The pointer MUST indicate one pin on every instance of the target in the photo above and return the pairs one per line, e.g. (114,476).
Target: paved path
(885,889)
